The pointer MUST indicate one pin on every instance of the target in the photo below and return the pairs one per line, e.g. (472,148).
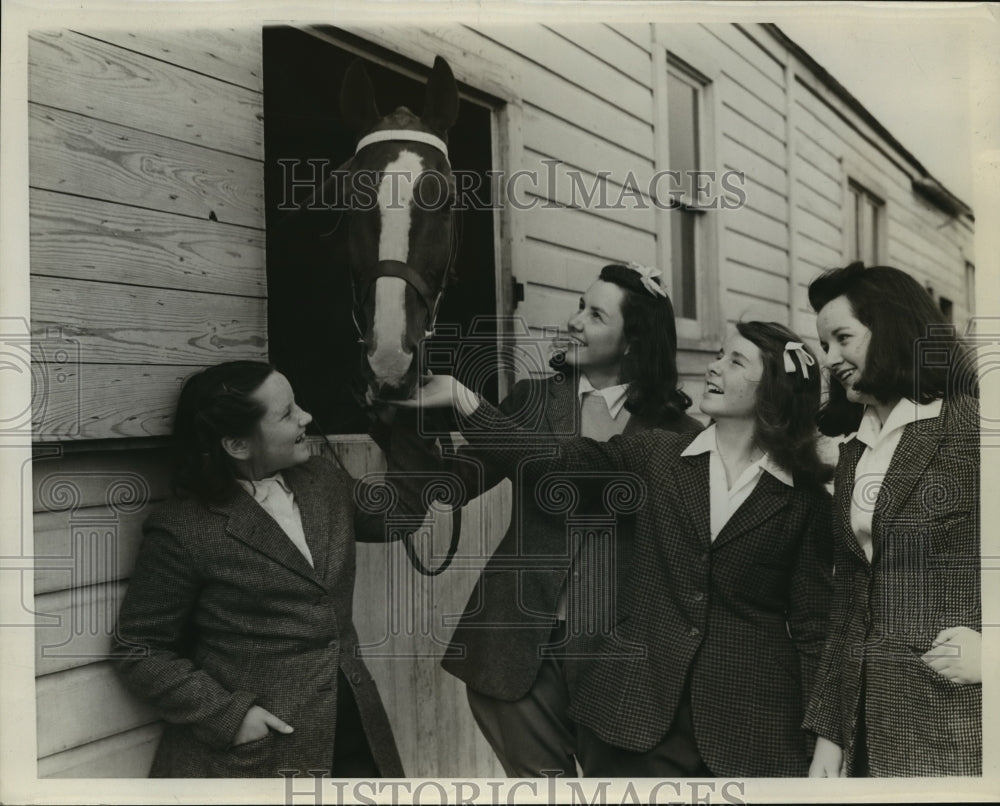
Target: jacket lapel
(250,524)
(692,483)
(850,453)
(304,487)
(562,412)
(916,448)
(768,496)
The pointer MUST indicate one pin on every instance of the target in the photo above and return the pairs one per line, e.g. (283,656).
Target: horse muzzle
(392,374)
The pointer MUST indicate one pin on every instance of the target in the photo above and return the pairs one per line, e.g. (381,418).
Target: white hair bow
(805,360)
(648,275)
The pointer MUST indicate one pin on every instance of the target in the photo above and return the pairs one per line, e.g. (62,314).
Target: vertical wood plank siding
(147,254)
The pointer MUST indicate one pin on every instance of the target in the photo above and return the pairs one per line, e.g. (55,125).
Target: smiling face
(732,380)
(844,341)
(278,440)
(597,331)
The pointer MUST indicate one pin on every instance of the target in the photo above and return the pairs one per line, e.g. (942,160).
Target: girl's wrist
(466,401)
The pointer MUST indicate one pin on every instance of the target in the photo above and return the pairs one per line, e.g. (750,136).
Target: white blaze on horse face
(390,361)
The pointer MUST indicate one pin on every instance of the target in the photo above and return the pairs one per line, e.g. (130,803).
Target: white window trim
(702,332)
(852,172)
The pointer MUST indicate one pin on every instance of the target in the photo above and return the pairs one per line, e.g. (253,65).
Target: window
(864,224)
(946,309)
(684,132)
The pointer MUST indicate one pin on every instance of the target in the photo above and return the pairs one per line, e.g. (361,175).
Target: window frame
(859,185)
(703,330)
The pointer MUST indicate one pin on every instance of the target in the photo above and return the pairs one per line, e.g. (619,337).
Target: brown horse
(401,239)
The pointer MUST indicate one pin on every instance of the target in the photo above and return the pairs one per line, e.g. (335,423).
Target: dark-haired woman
(617,375)
(899,692)
(724,616)
(237,624)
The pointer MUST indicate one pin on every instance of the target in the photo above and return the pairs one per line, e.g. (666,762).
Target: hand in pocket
(956,655)
(256,725)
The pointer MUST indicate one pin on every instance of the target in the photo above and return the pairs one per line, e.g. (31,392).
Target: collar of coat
(248,522)
(911,461)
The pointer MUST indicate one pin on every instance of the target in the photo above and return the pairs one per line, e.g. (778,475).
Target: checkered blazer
(923,577)
(743,617)
(223,612)
(496,648)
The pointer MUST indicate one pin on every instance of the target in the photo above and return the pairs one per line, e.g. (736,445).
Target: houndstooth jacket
(742,619)
(923,577)
(497,647)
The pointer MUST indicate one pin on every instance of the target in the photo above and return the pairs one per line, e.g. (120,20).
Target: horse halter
(430,297)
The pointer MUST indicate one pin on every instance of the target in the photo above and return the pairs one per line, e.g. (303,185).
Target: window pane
(682,243)
(682,111)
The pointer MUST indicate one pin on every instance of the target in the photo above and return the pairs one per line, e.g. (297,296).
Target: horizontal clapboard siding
(124,755)
(142,247)
(176,102)
(147,223)
(920,239)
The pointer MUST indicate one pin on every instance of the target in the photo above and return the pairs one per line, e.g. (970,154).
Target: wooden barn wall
(147,217)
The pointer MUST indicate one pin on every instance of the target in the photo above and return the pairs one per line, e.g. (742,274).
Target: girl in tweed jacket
(708,667)
(237,625)
(899,689)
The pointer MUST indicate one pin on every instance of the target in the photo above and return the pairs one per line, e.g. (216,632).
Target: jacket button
(694,632)
(332,644)
(356,678)
(697,596)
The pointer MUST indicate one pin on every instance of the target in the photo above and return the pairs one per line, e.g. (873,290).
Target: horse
(401,237)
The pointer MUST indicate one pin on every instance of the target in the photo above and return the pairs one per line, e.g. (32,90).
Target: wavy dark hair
(649,366)
(913,353)
(786,405)
(213,404)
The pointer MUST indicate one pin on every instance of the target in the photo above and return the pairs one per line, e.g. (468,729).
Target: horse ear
(441,101)
(357,99)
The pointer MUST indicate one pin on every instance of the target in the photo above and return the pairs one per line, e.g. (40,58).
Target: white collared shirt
(880,441)
(725,500)
(276,498)
(614,396)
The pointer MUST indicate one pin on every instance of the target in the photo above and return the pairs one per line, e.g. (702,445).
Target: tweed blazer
(923,577)
(741,619)
(497,647)
(223,612)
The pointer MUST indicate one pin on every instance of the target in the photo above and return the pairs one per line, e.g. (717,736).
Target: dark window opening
(311,334)
(946,308)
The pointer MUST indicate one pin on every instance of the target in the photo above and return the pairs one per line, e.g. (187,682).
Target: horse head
(400,238)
